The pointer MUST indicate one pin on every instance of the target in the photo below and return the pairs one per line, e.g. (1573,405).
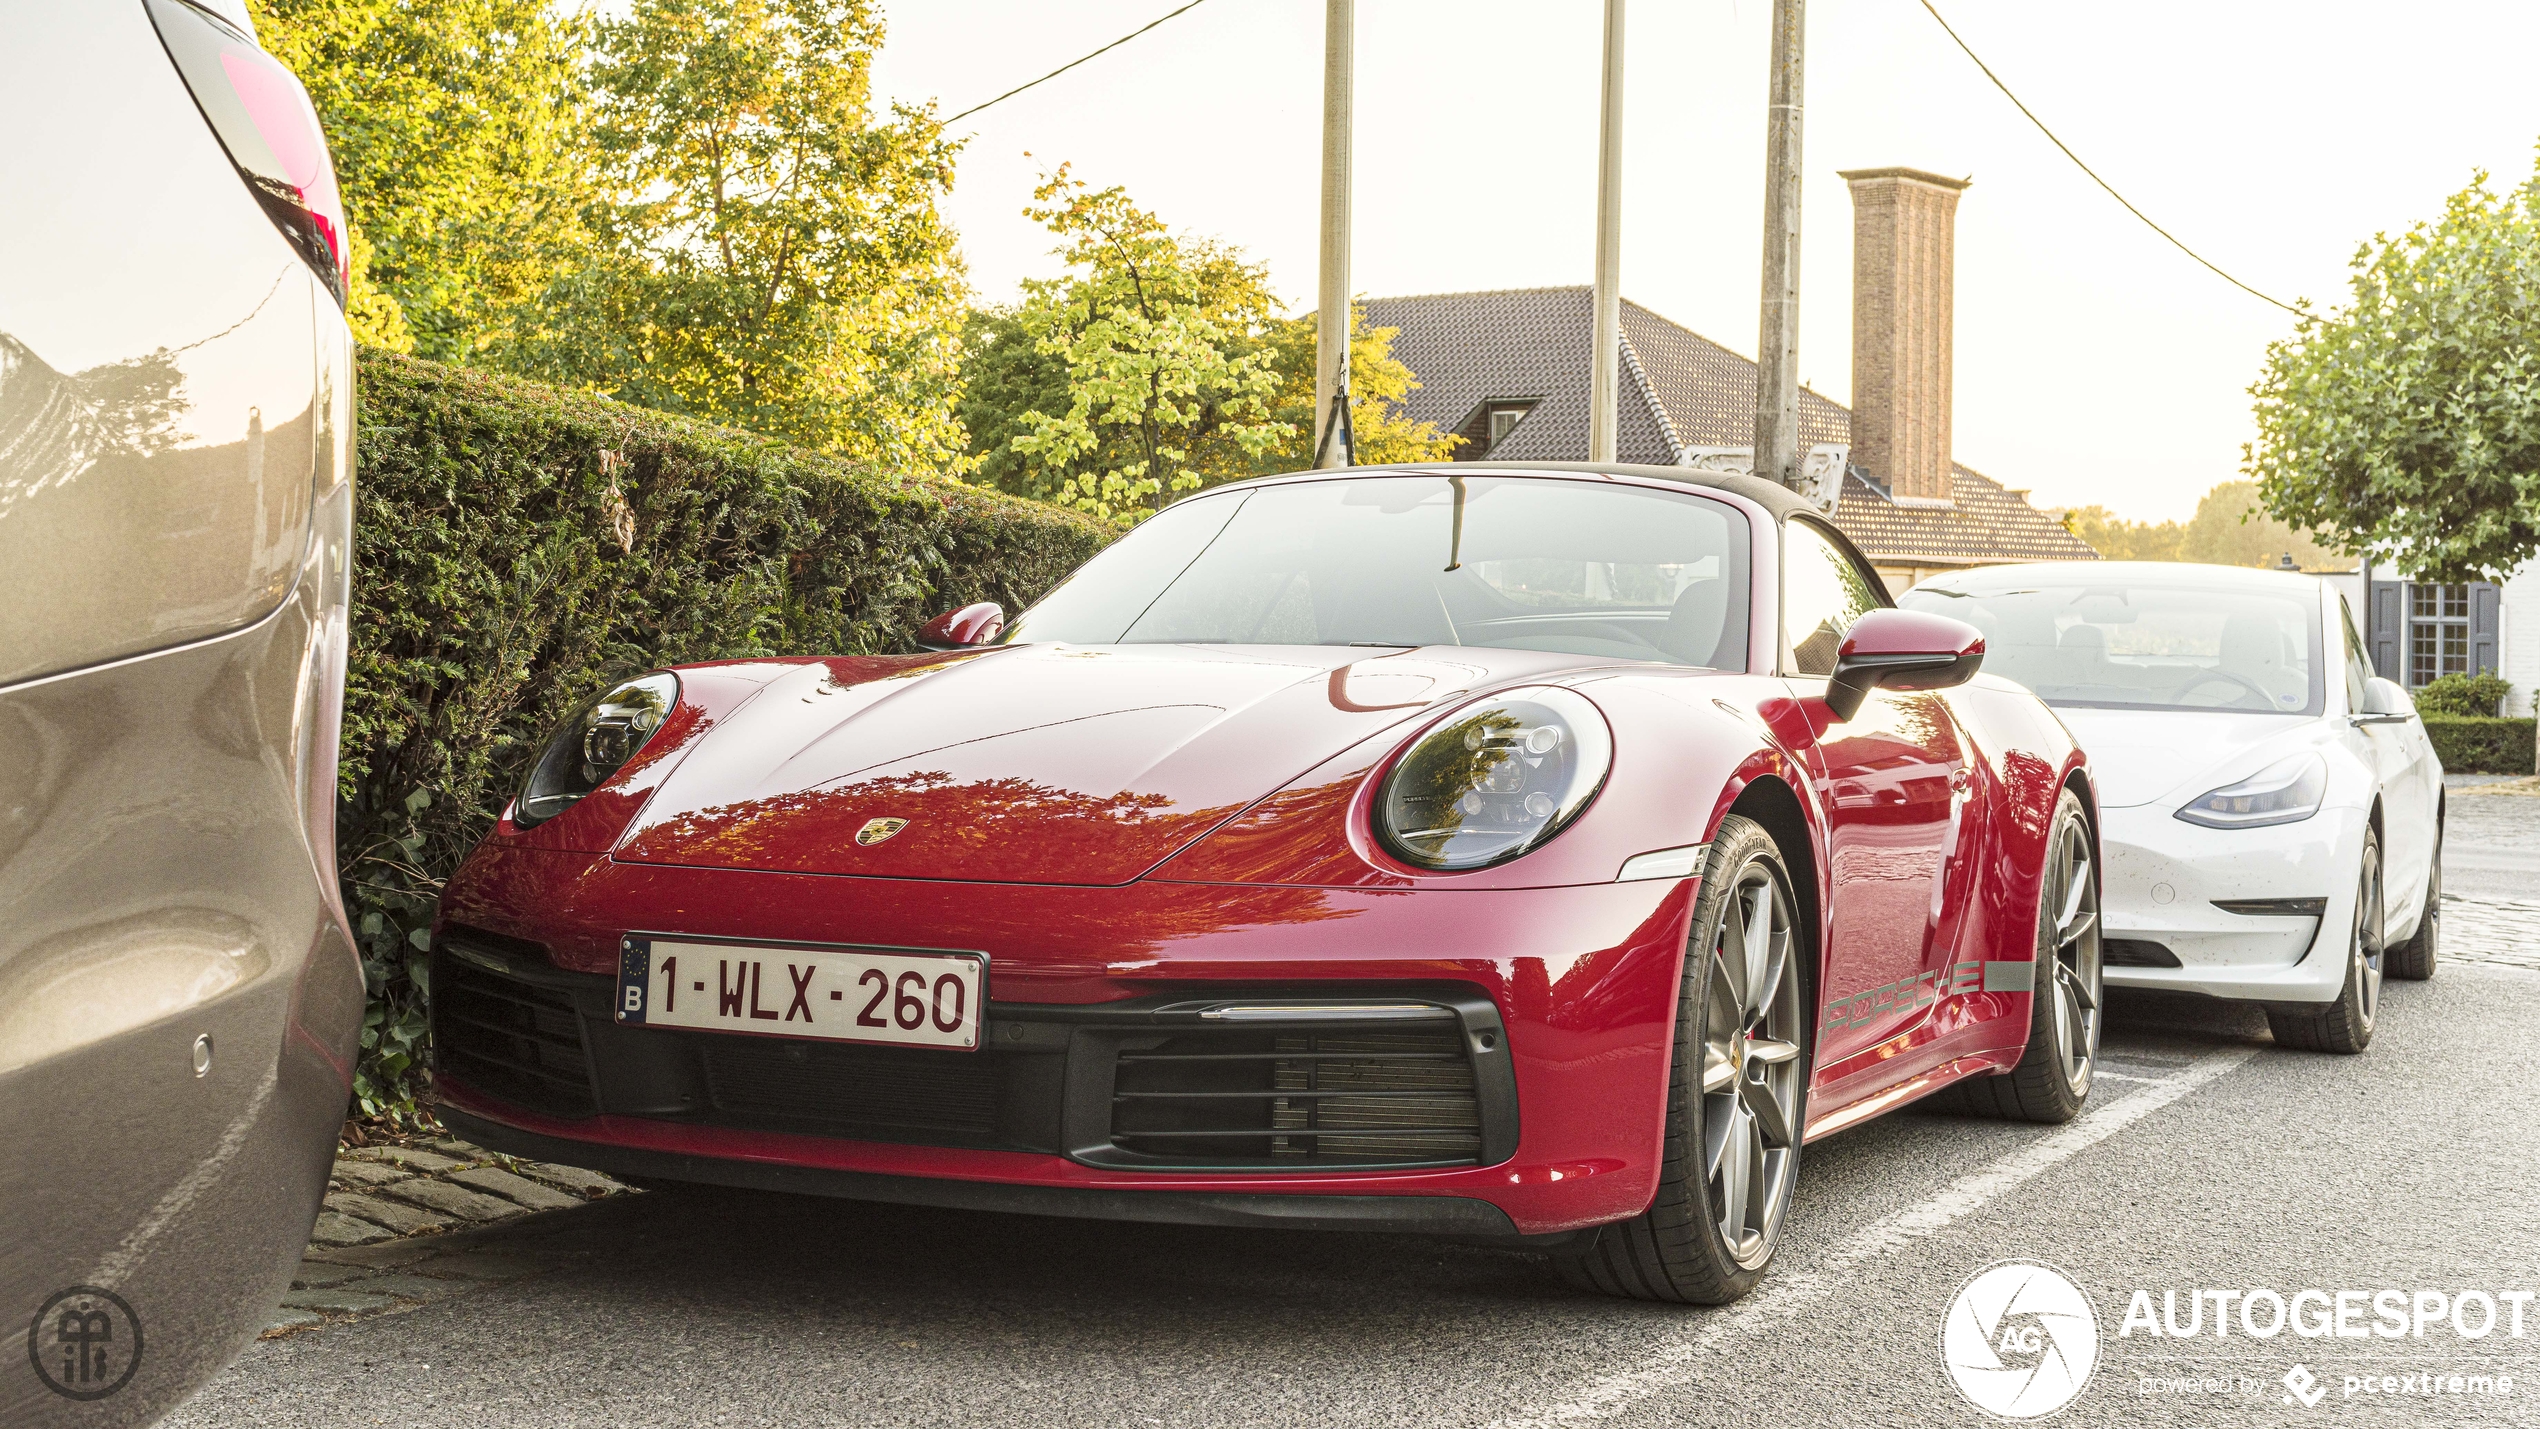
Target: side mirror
(2385,702)
(1901,650)
(962,629)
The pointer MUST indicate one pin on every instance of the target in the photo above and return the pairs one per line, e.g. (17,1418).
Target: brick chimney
(1904,241)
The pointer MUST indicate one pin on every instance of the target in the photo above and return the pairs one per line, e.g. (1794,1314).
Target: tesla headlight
(1498,779)
(594,742)
(2284,792)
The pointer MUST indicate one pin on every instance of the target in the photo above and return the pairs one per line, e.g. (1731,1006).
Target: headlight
(1497,780)
(594,743)
(2284,792)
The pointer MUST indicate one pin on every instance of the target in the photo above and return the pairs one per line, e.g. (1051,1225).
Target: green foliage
(1005,374)
(1378,383)
(770,256)
(2230,528)
(457,128)
(2409,422)
(2457,694)
(1157,337)
(2468,744)
(518,547)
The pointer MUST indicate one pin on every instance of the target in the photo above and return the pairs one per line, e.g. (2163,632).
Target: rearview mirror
(963,629)
(1901,650)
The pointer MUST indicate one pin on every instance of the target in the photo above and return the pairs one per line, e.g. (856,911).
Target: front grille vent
(1299,1098)
(2136,953)
(516,1039)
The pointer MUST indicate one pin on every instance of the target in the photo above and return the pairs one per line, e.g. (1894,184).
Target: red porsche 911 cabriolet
(1529,852)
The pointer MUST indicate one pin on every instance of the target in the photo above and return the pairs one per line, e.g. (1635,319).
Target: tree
(2409,422)
(1377,385)
(2230,528)
(1167,379)
(457,128)
(771,256)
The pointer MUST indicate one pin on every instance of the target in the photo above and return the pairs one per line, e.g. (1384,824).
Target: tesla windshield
(1582,567)
(2217,647)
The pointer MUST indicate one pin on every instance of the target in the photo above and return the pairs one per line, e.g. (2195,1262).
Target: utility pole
(1777,345)
(1331,325)
(1605,380)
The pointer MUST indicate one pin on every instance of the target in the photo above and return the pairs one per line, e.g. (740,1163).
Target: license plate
(884,995)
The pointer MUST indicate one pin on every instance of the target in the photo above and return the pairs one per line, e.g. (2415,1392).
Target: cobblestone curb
(399,1227)
(2491,930)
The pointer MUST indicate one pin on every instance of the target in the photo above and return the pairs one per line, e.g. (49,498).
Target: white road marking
(1786,1294)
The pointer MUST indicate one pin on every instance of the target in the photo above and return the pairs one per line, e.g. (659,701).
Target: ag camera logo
(2020,1340)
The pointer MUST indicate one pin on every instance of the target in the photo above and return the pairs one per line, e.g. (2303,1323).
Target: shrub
(2473,744)
(517,547)
(2481,695)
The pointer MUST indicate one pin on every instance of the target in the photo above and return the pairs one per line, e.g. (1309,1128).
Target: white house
(2419,631)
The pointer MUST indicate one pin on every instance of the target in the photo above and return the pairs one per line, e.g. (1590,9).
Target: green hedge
(2471,744)
(516,547)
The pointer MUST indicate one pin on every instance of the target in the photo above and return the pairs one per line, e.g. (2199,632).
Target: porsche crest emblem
(878,830)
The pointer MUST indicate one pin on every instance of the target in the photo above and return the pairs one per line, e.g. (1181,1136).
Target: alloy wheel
(1751,1067)
(2075,980)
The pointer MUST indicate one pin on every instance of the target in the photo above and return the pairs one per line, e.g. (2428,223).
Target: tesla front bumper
(2169,885)
(1516,1086)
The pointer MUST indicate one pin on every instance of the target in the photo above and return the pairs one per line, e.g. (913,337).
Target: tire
(1737,1094)
(2068,990)
(2344,1026)
(2414,959)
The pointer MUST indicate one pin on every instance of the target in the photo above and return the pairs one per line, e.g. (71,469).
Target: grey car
(180,999)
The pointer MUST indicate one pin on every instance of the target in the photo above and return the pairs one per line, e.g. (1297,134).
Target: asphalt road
(2210,1159)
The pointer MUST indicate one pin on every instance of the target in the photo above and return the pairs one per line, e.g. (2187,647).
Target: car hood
(1032,763)
(2155,756)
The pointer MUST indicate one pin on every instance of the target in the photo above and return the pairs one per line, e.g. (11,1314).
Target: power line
(2094,176)
(1071,64)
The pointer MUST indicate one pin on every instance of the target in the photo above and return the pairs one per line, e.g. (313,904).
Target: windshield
(2135,647)
(1580,567)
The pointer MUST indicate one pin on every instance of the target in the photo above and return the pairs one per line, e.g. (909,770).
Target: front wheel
(2066,991)
(1737,1094)
(2344,1026)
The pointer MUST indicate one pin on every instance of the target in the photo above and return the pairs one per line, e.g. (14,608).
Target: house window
(1490,423)
(2438,632)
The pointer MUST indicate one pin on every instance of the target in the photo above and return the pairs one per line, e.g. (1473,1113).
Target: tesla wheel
(1736,1099)
(2344,1026)
(2414,959)
(2052,1079)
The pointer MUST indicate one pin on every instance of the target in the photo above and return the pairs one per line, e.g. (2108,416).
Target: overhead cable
(1071,64)
(2094,175)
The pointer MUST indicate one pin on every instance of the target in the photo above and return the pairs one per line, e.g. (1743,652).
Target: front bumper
(1558,1000)
(2164,878)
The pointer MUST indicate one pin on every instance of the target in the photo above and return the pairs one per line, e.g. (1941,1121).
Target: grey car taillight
(263,118)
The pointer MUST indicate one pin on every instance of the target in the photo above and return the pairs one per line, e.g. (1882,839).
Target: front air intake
(1298,1086)
(499,1026)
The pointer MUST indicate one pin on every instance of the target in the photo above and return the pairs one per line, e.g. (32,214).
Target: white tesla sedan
(2271,814)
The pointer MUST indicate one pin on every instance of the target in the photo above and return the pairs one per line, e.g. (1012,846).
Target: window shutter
(2485,599)
(2388,628)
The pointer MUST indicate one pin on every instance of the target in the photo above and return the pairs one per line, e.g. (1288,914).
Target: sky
(2094,362)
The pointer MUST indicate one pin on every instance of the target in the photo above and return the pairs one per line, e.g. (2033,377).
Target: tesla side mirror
(972,625)
(1901,650)
(2385,702)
